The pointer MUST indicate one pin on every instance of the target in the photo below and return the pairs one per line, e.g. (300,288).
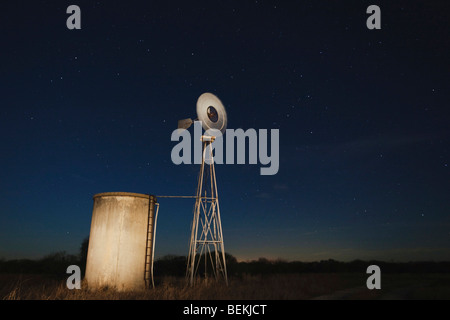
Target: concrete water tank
(120,241)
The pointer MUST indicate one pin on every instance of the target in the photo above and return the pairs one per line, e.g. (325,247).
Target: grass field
(333,286)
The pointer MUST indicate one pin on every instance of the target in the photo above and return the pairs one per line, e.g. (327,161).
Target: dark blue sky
(363,119)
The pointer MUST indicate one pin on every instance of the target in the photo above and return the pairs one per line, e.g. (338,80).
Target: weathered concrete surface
(117,241)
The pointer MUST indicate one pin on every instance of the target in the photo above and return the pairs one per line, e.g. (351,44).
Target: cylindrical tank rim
(121,194)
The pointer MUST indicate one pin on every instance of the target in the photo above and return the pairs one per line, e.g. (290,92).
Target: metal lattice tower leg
(206,235)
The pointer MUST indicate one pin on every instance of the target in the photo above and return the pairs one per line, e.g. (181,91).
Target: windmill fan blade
(211,112)
(185,123)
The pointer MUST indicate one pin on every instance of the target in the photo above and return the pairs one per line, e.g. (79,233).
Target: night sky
(363,118)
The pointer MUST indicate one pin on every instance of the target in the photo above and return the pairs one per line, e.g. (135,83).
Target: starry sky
(363,118)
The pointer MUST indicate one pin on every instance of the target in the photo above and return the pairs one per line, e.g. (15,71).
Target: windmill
(206,232)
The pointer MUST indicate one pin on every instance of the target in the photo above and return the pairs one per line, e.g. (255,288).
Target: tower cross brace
(206,234)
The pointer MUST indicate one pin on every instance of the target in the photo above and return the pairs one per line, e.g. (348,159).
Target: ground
(321,286)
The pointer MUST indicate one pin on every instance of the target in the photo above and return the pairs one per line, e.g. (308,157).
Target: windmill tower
(206,249)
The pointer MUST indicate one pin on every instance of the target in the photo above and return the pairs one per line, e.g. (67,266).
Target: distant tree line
(172,265)
(176,266)
(264,266)
(54,263)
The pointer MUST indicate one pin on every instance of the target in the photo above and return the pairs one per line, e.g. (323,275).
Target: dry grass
(273,287)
